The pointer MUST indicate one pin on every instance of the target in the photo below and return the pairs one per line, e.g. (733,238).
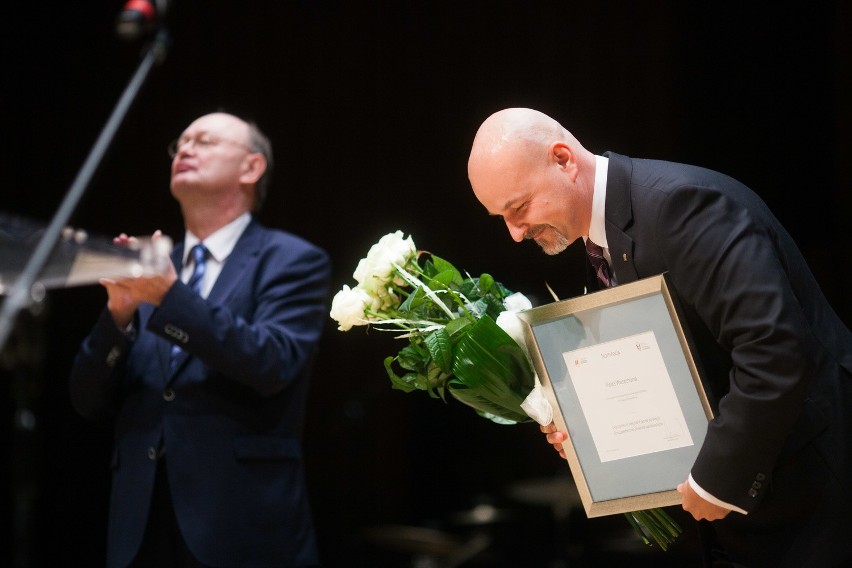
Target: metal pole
(20,293)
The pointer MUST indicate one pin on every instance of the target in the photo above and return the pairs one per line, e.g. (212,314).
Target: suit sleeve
(266,334)
(730,268)
(98,367)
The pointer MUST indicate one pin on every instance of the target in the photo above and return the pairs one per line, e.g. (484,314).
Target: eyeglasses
(205,141)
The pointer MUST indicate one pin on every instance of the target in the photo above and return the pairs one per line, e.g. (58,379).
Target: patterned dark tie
(599,262)
(199,259)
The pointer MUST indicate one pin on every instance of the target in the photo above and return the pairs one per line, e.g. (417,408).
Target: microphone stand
(21,292)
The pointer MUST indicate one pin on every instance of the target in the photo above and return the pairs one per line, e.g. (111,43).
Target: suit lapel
(245,252)
(619,215)
(165,348)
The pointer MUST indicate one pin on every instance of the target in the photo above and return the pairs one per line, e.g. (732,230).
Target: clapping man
(204,370)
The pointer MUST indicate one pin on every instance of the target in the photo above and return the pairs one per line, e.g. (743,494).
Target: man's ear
(563,156)
(253,167)
(561,153)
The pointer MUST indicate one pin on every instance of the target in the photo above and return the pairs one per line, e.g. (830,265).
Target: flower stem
(656,524)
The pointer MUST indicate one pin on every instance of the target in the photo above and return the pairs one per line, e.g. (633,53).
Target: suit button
(756,485)
(168,395)
(752,492)
(176,332)
(152,454)
(760,477)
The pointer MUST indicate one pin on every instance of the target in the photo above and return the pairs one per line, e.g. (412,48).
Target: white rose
(363,270)
(376,270)
(348,305)
(509,320)
(511,324)
(517,302)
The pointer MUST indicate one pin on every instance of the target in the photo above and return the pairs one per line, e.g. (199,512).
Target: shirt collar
(597,226)
(220,243)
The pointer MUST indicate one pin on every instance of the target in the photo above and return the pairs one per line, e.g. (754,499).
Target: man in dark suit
(774,474)
(205,373)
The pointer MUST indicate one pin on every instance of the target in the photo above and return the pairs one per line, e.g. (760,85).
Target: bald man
(773,476)
(204,370)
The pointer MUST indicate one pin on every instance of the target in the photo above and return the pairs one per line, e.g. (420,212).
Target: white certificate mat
(617,369)
(627,397)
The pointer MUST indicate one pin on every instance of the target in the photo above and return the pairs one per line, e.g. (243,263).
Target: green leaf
(441,349)
(443,279)
(457,326)
(486,281)
(436,380)
(491,372)
(470,289)
(414,299)
(442,265)
(503,291)
(397,382)
(413,358)
(494,306)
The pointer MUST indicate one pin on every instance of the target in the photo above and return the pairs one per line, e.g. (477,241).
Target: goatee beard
(558,244)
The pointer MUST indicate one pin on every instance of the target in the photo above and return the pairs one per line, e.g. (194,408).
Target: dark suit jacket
(228,420)
(774,355)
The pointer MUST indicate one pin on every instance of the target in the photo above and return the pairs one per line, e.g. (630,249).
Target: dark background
(371,107)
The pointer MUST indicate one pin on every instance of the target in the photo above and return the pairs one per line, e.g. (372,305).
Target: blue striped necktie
(199,259)
(599,263)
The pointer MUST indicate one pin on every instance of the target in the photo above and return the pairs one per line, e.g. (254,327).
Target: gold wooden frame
(645,305)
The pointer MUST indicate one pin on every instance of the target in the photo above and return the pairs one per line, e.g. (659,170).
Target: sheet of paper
(627,397)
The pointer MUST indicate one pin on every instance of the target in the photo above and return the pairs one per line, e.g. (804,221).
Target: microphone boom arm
(19,295)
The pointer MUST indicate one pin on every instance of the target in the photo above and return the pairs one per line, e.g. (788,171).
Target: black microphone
(138,18)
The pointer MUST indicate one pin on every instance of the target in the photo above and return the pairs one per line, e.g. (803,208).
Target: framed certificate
(617,368)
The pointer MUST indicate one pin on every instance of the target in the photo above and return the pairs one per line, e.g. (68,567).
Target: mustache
(535,231)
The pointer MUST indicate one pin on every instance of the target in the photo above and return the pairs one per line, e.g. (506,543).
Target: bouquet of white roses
(463,338)
(449,319)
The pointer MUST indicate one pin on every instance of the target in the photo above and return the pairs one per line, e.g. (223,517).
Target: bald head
(527,168)
(512,130)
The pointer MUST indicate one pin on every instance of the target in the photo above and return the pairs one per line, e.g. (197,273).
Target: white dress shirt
(219,246)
